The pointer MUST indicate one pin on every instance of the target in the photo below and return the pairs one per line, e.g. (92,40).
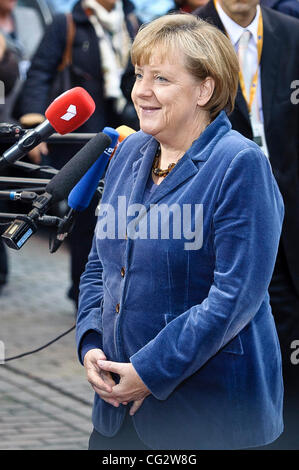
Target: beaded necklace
(158,171)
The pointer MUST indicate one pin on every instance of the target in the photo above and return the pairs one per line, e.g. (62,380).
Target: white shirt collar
(233,29)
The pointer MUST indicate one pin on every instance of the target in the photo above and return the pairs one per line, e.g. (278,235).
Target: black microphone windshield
(69,175)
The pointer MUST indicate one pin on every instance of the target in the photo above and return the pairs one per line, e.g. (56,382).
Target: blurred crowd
(33,38)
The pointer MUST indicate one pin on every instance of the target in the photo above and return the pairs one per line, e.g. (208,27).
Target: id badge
(259,137)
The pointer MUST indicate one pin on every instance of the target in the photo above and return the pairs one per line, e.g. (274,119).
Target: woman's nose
(143,87)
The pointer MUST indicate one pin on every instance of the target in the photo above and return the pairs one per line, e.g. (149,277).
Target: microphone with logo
(67,112)
(56,190)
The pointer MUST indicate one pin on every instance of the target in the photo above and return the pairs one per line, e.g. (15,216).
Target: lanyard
(253,87)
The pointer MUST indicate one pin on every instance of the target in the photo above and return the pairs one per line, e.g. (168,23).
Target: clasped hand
(130,387)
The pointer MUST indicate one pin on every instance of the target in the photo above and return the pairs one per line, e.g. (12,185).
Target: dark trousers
(80,241)
(80,238)
(285,307)
(3,263)
(125,439)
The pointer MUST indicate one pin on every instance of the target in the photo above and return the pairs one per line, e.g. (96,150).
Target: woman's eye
(159,78)
(138,76)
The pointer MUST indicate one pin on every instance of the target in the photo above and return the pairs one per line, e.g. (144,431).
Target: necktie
(247,72)
(244,60)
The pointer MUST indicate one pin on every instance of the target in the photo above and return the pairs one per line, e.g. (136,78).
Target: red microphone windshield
(70,110)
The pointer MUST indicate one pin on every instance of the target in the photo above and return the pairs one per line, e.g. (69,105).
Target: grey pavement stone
(45,399)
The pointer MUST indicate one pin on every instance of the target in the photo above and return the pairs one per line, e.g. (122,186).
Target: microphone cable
(59,187)
(12,358)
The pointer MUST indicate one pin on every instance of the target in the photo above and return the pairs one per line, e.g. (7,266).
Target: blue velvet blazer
(195,323)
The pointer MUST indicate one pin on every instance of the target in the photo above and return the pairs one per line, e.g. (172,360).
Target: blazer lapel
(187,167)
(141,170)
(183,170)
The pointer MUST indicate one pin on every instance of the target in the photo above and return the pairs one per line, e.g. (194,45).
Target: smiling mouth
(149,108)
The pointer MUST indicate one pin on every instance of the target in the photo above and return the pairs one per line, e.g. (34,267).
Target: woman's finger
(136,405)
(111,401)
(95,379)
(107,378)
(110,366)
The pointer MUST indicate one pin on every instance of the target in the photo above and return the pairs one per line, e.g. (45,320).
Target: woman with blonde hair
(175,328)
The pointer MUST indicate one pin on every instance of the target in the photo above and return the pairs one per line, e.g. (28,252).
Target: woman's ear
(206,89)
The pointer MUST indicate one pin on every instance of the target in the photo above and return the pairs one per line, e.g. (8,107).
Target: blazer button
(117,308)
(122,272)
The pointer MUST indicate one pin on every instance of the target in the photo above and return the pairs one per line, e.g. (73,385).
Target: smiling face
(166,97)
(186,73)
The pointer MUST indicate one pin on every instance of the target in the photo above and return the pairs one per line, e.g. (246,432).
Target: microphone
(67,112)
(56,190)
(69,176)
(81,194)
(62,183)
(124,132)
(8,130)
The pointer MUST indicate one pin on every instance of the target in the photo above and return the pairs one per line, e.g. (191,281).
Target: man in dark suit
(277,99)
(289,7)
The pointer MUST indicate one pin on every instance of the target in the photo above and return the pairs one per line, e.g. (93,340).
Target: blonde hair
(207,52)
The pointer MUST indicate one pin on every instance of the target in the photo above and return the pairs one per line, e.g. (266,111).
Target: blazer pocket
(234,346)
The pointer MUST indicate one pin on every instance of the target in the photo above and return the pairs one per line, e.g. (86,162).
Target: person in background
(20,32)
(61,7)
(100,51)
(289,7)
(22,28)
(8,26)
(177,337)
(267,111)
(146,10)
(188,6)
(9,74)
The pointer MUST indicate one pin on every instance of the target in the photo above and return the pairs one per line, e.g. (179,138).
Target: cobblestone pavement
(45,400)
